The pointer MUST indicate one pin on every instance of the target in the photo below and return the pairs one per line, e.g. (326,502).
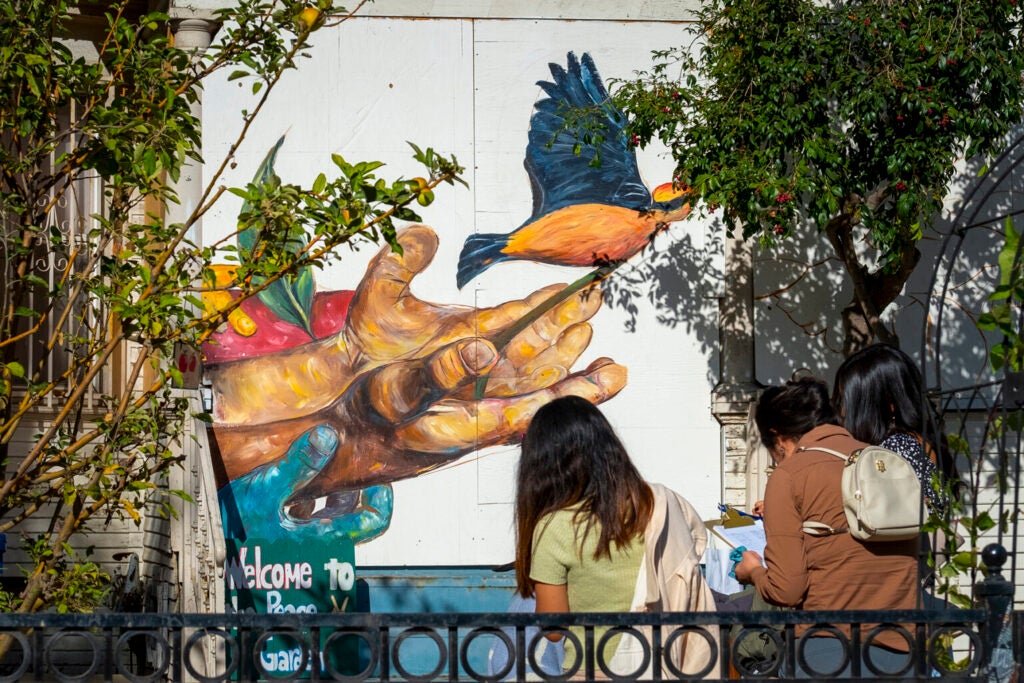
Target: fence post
(995,595)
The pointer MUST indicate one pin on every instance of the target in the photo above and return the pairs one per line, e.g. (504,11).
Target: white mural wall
(467,87)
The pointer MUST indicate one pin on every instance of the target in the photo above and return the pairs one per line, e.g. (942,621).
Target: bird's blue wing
(603,174)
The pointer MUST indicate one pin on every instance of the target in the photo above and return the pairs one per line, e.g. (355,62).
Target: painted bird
(588,209)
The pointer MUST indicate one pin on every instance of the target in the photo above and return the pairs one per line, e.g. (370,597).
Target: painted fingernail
(323,440)
(477,354)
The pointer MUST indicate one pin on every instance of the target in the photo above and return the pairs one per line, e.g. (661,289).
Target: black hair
(879,392)
(793,409)
(571,455)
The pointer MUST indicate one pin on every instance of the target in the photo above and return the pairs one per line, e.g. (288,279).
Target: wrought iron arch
(973,403)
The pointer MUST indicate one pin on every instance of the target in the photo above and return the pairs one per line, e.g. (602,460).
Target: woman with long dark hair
(588,525)
(826,572)
(880,398)
(574,469)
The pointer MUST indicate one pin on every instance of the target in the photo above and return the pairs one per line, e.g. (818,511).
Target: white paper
(750,536)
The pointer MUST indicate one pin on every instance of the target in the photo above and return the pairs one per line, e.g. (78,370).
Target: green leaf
(26,312)
(179,493)
(949,571)
(963,561)
(984,521)
(16,369)
(958,444)
(1009,258)
(960,600)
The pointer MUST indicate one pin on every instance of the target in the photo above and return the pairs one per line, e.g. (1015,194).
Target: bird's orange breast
(583,235)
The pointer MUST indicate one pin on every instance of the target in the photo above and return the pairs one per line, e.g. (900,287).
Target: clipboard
(750,536)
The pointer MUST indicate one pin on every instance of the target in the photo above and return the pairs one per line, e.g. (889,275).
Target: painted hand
(410,365)
(397,384)
(386,323)
(255,505)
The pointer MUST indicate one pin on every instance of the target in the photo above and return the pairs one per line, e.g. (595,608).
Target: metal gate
(979,409)
(979,401)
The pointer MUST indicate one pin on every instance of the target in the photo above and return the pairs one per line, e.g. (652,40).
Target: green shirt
(593,585)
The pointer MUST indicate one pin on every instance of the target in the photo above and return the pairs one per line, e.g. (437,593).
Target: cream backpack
(881,496)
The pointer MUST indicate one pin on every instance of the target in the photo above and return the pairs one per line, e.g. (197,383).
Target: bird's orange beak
(666,192)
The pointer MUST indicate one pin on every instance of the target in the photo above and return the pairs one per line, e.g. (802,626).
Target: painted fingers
(466,425)
(385,321)
(545,351)
(403,389)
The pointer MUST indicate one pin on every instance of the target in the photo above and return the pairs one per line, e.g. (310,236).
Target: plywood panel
(468,87)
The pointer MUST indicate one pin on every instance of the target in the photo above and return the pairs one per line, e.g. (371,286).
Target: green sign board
(282,576)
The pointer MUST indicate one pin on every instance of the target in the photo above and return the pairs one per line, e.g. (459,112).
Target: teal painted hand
(258,504)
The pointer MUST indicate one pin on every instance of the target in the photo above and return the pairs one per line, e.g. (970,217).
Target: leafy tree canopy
(844,117)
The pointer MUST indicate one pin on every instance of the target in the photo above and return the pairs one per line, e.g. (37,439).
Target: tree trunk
(873,291)
(858,331)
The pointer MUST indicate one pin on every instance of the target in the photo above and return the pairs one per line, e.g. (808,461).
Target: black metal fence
(983,644)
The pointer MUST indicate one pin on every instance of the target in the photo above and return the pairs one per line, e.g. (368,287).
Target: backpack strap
(820,528)
(850,459)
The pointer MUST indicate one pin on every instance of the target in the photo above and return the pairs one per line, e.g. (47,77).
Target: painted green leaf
(290,298)
(265,171)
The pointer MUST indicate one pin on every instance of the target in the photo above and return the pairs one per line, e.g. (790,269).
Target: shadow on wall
(961,273)
(800,287)
(679,278)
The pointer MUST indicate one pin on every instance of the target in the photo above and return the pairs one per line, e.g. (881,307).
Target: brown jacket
(832,572)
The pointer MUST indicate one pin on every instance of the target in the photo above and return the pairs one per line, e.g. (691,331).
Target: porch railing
(977,645)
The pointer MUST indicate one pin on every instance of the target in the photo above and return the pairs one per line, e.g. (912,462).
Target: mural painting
(319,407)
